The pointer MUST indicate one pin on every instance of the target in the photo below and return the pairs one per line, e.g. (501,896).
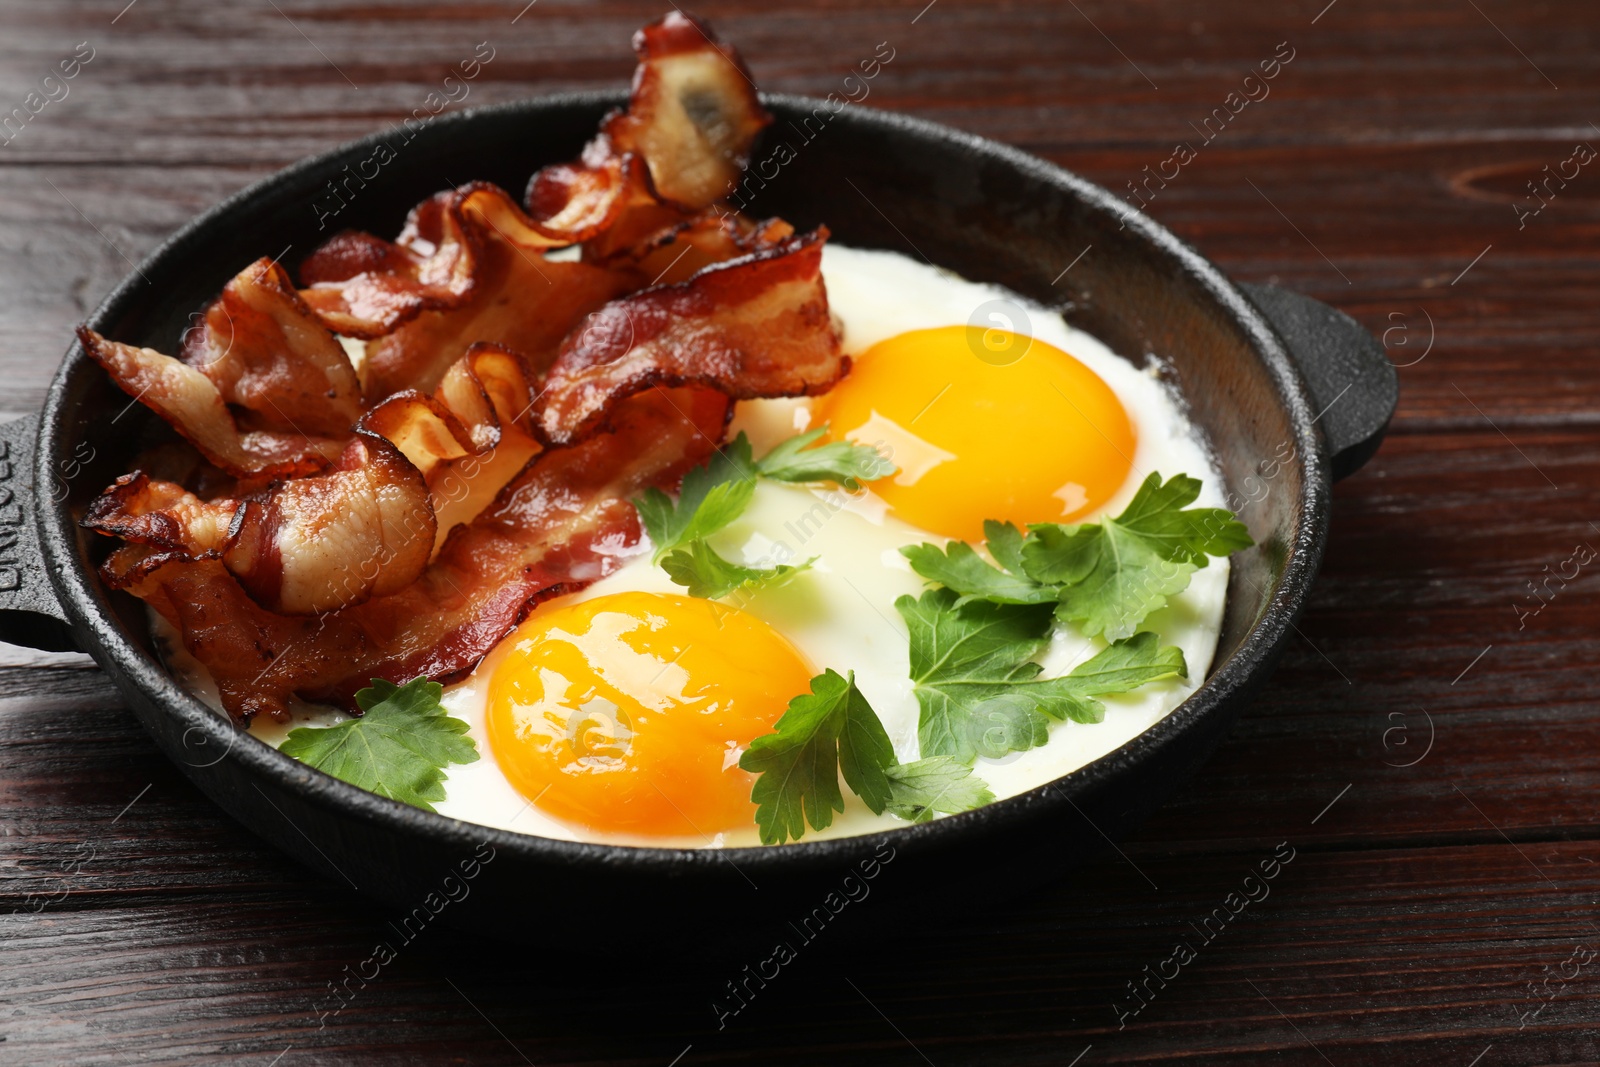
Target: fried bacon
(751,327)
(524,304)
(693,112)
(481,395)
(146,511)
(586,199)
(469,268)
(681,144)
(365,528)
(561,524)
(398,516)
(193,405)
(266,352)
(364,286)
(676,252)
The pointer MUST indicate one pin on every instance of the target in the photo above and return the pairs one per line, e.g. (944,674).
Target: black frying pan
(1291,394)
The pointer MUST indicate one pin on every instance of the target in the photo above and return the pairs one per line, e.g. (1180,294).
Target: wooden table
(1428,749)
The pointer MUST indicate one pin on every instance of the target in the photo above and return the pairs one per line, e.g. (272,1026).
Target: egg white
(840,613)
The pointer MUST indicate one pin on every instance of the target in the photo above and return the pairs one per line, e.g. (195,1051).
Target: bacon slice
(751,327)
(677,252)
(317,544)
(681,144)
(483,394)
(469,268)
(146,511)
(307,545)
(693,113)
(526,305)
(265,351)
(363,286)
(563,523)
(586,198)
(191,403)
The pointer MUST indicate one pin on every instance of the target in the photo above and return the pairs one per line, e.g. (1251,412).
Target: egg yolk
(628,713)
(983,424)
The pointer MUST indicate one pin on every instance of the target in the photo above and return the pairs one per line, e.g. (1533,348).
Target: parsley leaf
(979,691)
(935,784)
(1108,576)
(844,462)
(958,566)
(707,574)
(1004,542)
(1115,572)
(397,749)
(829,729)
(970,665)
(716,493)
(1112,574)
(710,497)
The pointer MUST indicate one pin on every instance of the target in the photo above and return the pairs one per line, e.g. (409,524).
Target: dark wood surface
(1434,913)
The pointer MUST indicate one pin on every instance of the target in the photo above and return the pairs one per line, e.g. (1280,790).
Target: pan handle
(1353,385)
(29,611)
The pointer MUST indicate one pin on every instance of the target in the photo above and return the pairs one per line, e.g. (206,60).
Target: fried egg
(618,714)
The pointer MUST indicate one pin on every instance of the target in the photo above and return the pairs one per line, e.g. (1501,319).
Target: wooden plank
(1363,957)
(1036,73)
(1414,632)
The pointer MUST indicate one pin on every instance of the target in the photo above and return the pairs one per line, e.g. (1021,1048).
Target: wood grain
(1429,752)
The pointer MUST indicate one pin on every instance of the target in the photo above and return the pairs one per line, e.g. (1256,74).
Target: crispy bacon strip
(143,510)
(363,286)
(678,252)
(526,305)
(751,327)
(316,544)
(469,268)
(266,352)
(682,143)
(306,545)
(693,113)
(585,199)
(561,524)
(482,395)
(638,215)
(192,404)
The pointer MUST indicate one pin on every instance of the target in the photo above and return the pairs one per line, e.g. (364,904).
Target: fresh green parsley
(706,574)
(978,689)
(1117,571)
(1105,577)
(714,495)
(710,497)
(937,784)
(397,749)
(843,462)
(830,731)
(958,566)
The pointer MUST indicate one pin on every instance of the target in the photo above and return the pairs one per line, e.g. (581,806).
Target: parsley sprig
(978,690)
(714,495)
(704,573)
(1105,577)
(830,731)
(398,748)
